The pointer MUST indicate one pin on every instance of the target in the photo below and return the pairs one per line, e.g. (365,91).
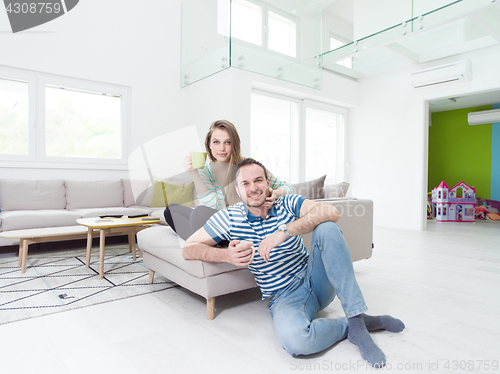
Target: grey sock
(384,322)
(358,335)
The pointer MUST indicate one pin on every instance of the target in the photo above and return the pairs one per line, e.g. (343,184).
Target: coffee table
(41,235)
(124,225)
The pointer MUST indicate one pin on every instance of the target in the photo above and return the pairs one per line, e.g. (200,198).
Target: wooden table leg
(131,242)
(89,247)
(24,243)
(20,260)
(151,276)
(102,243)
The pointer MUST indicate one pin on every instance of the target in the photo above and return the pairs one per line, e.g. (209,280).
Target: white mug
(242,242)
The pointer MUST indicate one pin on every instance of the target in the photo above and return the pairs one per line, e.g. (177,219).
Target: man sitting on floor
(298,284)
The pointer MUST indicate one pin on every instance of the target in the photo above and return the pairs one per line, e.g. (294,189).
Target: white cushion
(17,194)
(335,190)
(94,194)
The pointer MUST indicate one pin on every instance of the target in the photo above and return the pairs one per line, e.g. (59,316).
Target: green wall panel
(460,152)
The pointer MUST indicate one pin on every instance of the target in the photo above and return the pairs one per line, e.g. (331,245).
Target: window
(246,21)
(14,114)
(282,35)
(320,143)
(273,138)
(48,120)
(81,124)
(297,139)
(336,43)
(264,26)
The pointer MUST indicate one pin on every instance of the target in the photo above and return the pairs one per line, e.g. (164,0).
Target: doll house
(455,204)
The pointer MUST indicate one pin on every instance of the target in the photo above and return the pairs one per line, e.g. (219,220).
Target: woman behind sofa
(214,183)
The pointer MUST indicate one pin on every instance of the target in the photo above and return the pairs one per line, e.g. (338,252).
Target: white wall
(136,44)
(387,137)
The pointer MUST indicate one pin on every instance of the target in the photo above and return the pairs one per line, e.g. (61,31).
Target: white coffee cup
(242,242)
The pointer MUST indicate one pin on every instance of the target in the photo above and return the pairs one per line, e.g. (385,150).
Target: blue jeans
(329,272)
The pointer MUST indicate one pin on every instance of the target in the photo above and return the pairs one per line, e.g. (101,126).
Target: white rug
(58,280)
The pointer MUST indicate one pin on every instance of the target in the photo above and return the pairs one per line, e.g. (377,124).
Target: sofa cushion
(311,189)
(181,179)
(94,194)
(163,242)
(167,193)
(335,190)
(17,194)
(32,219)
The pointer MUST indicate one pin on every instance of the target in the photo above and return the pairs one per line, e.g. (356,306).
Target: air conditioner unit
(455,72)
(484,117)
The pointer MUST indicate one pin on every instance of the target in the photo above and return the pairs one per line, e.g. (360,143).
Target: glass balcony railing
(452,28)
(280,39)
(294,40)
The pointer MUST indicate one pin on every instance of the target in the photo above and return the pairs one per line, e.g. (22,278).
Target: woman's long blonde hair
(230,192)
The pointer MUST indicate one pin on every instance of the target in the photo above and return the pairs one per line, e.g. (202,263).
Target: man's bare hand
(239,255)
(267,245)
(271,198)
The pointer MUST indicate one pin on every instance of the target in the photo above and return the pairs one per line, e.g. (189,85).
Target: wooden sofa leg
(151,276)
(211,308)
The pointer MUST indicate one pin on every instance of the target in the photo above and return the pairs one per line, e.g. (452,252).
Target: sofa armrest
(356,223)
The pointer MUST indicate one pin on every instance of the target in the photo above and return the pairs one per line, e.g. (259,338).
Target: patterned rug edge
(32,304)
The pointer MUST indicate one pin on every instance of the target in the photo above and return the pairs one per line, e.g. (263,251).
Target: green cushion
(168,193)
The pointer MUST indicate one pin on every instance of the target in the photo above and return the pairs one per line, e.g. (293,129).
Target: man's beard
(256,205)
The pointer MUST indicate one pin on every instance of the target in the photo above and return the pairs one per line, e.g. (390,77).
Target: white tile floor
(443,283)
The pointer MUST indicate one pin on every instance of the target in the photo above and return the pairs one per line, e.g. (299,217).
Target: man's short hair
(249,161)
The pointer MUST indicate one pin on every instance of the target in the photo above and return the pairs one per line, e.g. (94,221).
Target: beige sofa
(30,204)
(162,247)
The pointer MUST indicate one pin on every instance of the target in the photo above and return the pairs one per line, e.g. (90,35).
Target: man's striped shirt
(287,260)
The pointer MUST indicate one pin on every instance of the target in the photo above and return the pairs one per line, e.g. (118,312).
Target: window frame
(36,158)
(30,79)
(290,17)
(295,131)
(266,8)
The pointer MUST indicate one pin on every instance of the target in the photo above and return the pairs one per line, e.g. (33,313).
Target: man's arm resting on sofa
(201,246)
(312,213)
